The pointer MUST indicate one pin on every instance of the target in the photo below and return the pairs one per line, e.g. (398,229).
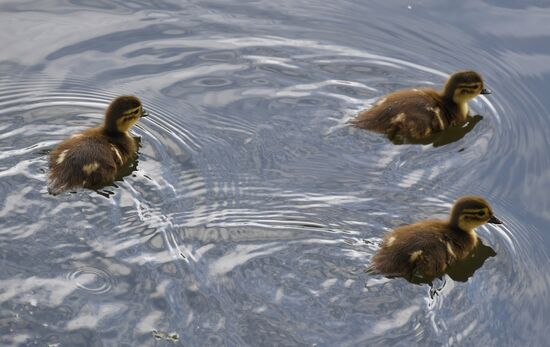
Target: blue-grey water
(255,208)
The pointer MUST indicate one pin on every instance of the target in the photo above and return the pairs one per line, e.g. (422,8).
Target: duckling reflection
(417,114)
(425,250)
(438,139)
(466,268)
(97,156)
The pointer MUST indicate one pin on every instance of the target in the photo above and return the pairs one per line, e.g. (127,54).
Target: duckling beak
(144,113)
(494,220)
(486,91)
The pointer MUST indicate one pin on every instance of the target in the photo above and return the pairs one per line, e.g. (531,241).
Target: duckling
(418,113)
(426,249)
(92,158)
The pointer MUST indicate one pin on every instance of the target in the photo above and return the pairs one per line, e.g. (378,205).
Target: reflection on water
(244,219)
(452,134)
(460,271)
(466,268)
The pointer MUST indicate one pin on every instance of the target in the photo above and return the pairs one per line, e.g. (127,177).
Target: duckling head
(123,113)
(463,86)
(469,212)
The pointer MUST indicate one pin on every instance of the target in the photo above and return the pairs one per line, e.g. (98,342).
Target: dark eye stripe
(128,118)
(474,213)
(132,110)
(468,90)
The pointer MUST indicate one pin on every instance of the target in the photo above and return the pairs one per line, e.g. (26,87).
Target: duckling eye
(481,213)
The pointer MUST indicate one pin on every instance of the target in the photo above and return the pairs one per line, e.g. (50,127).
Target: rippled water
(254,207)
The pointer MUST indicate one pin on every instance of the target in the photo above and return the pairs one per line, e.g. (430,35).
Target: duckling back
(423,249)
(88,159)
(417,249)
(414,113)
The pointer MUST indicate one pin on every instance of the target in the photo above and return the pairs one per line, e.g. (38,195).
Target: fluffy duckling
(426,249)
(418,113)
(92,158)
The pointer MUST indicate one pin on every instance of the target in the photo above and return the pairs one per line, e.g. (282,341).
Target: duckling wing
(414,249)
(410,113)
(81,161)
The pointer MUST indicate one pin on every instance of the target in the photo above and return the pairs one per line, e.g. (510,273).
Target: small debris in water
(159,335)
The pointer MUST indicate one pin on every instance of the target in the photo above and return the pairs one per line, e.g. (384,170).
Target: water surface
(254,208)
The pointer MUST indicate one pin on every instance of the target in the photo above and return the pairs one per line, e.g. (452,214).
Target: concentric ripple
(92,280)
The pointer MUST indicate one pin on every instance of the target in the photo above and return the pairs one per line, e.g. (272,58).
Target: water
(254,208)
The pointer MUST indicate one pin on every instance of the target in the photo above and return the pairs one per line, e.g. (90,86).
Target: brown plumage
(92,158)
(418,113)
(425,249)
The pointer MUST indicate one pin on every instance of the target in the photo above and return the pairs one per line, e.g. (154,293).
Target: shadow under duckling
(428,248)
(92,158)
(421,112)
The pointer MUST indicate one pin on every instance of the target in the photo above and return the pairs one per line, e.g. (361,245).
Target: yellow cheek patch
(126,119)
(470,222)
(125,123)
(129,119)
(463,94)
